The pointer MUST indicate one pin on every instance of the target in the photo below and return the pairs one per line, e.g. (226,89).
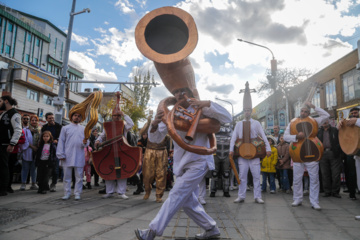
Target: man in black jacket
(330,163)
(55,130)
(10,132)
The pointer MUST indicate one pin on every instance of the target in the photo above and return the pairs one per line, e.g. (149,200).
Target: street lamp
(271,78)
(232,107)
(59,100)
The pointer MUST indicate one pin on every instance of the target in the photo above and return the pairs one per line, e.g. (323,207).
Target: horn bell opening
(166,34)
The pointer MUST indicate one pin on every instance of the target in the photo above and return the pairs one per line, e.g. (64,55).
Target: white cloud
(106,23)
(80,39)
(125,6)
(86,64)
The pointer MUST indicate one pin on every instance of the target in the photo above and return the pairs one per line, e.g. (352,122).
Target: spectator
(45,160)
(330,163)
(28,161)
(10,121)
(284,164)
(268,169)
(55,130)
(87,167)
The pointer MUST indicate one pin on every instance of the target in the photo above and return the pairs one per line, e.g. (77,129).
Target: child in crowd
(87,167)
(268,169)
(45,160)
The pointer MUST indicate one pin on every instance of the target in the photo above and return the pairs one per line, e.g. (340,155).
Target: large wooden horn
(167,36)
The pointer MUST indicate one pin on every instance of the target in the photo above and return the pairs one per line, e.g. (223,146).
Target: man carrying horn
(244,164)
(312,167)
(189,168)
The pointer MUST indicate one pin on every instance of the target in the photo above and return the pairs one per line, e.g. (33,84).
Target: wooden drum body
(349,139)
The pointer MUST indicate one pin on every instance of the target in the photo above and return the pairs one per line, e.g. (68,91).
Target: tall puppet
(167,36)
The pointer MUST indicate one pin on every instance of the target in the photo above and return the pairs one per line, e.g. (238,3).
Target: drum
(349,139)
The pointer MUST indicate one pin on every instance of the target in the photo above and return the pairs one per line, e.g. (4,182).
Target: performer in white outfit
(353,121)
(246,164)
(119,185)
(312,167)
(70,151)
(189,168)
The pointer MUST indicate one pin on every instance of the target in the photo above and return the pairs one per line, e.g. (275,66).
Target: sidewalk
(28,215)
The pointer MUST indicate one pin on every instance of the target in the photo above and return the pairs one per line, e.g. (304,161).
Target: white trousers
(184,194)
(202,188)
(244,166)
(118,186)
(313,170)
(78,180)
(357,165)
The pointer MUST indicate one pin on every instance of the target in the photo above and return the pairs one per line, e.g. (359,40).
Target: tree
(285,79)
(278,85)
(137,109)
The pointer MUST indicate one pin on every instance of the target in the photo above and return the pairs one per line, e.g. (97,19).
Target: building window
(55,46)
(29,37)
(62,49)
(0,21)
(27,58)
(330,94)
(38,42)
(47,100)
(36,61)
(49,68)
(32,95)
(10,27)
(351,85)
(316,98)
(7,49)
(57,71)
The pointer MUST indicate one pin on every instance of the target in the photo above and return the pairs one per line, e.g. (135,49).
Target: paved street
(27,215)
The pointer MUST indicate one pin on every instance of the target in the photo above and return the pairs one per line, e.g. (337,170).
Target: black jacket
(334,139)
(58,127)
(52,156)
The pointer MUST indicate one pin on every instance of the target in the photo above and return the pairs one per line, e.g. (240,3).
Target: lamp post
(59,100)
(271,78)
(232,107)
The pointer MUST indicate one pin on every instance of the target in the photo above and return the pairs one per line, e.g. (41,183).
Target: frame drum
(349,139)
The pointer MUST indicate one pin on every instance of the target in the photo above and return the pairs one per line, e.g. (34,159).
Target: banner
(40,79)
(270,120)
(282,118)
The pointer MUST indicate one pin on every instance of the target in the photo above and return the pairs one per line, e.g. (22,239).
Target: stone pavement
(26,215)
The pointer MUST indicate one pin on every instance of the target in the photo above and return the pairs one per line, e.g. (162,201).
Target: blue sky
(302,34)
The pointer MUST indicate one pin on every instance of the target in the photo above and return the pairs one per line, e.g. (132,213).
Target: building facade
(31,55)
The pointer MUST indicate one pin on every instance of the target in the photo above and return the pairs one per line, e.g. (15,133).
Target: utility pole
(60,99)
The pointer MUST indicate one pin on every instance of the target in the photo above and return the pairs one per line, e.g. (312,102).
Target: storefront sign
(40,79)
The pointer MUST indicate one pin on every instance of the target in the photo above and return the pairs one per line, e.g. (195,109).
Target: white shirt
(182,158)
(70,146)
(256,130)
(322,116)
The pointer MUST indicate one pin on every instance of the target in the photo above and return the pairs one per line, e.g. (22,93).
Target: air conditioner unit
(96,89)
(87,90)
(40,113)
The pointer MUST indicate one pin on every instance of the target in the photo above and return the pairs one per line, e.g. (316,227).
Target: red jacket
(21,141)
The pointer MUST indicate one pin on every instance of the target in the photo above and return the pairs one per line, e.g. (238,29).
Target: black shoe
(352,197)
(137,192)
(346,190)
(10,190)
(212,194)
(88,185)
(97,184)
(327,195)
(43,192)
(102,191)
(336,195)
(3,193)
(226,194)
